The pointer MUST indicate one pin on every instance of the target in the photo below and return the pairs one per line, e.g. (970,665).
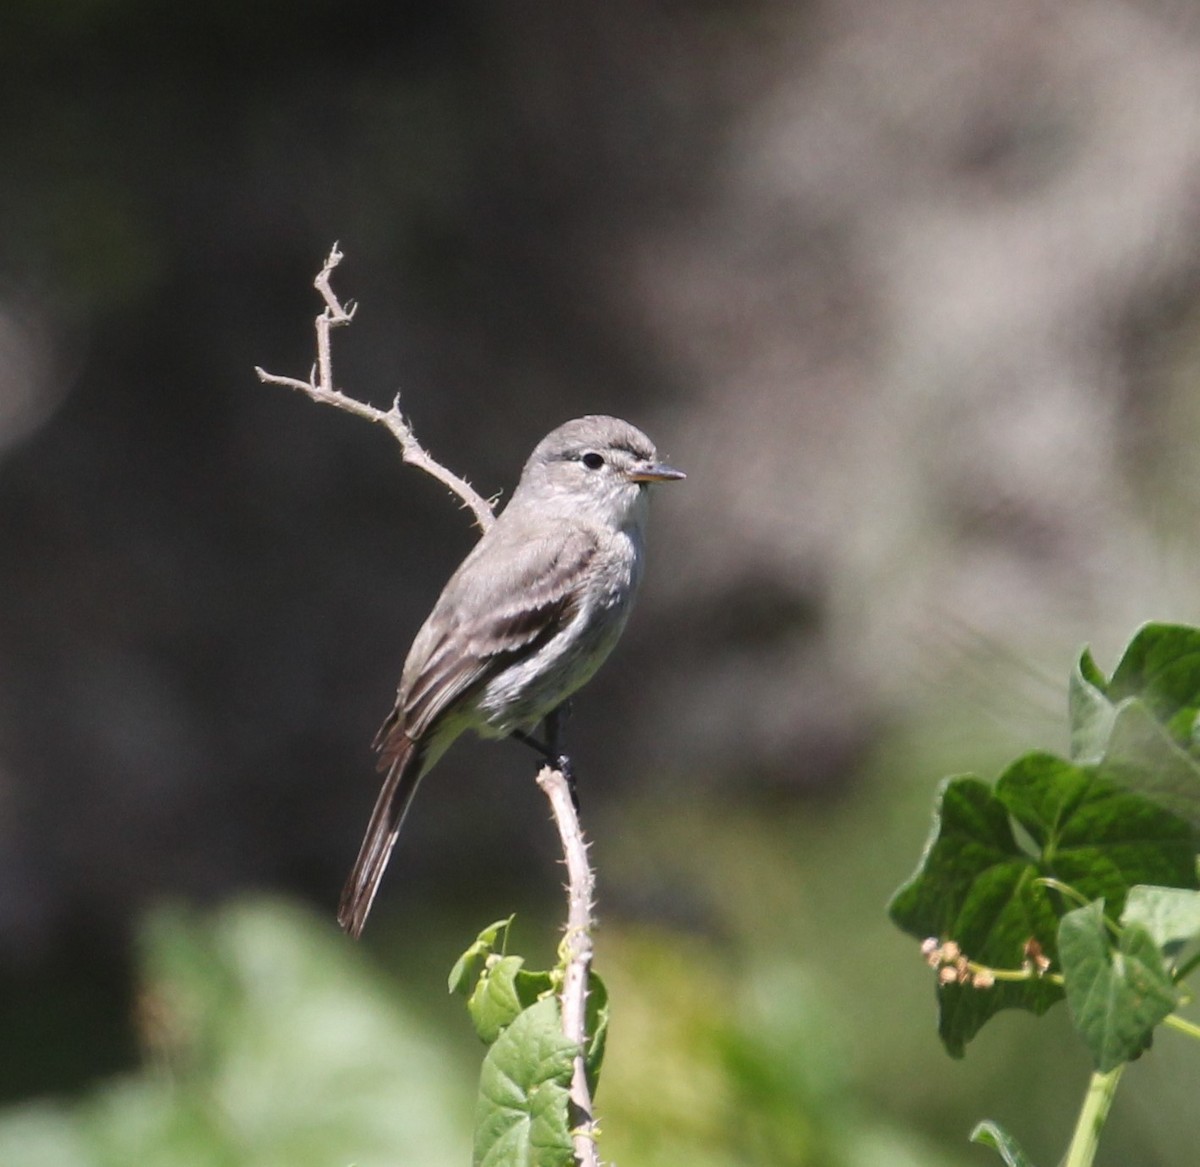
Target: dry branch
(320,388)
(577,947)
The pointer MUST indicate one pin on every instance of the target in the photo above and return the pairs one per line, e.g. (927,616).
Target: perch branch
(320,388)
(577,949)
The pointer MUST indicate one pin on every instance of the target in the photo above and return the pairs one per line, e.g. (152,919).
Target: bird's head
(596,465)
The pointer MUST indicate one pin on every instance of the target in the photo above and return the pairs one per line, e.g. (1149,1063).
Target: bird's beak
(654,472)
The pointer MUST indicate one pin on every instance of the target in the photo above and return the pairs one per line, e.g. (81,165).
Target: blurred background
(912,292)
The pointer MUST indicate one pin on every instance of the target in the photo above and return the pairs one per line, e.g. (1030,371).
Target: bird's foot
(562,763)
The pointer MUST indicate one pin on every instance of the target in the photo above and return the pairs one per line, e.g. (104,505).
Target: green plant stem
(1187,968)
(1096,1103)
(1016,974)
(1182,1025)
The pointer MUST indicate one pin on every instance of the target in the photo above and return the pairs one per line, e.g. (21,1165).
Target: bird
(524,622)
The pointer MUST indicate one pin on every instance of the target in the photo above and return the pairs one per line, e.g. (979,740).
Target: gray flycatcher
(528,617)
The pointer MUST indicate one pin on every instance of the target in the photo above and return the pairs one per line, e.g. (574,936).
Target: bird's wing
(505,601)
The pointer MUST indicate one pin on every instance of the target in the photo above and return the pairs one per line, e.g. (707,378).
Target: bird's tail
(403,776)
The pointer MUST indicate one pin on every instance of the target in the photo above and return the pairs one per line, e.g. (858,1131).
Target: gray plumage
(525,621)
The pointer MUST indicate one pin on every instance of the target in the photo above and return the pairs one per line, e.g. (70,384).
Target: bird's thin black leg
(551,749)
(540,748)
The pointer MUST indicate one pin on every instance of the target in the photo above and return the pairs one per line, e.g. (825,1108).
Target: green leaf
(1094,835)
(1170,915)
(971,837)
(596,1020)
(1143,757)
(1162,667)
(977,886)
(467,967)
(503,991)
(522,1117)
(1116,995)
(1091,713)
(1144,724)
(990,1134)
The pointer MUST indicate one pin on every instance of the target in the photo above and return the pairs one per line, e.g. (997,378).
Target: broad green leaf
(467,967)
(976,886)
(504,989)
(522,1118)
(991,1134)
(1170,915)
(1009,908)
(1094,835)
(1144,724)
(1091,712)
(971,837)
(1161,666)
(1116,995)
(1143,757)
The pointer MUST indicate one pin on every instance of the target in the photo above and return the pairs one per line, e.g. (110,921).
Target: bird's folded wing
(484,620)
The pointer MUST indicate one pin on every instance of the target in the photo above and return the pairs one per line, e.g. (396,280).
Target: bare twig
(320,388)
(577,948)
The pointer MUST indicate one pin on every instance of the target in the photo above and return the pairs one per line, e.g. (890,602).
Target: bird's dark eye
(592,460)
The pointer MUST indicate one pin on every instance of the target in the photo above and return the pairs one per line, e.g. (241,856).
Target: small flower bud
(1035,958)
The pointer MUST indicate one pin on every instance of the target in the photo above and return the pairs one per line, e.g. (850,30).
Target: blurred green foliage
(269,1042)
(717,1067)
